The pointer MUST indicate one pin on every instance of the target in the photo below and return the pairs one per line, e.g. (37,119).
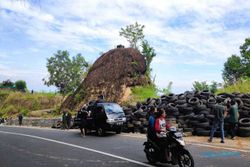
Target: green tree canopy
(64,73)
(238,66)
(133,33)
(200,86)
(232,69)
(167,90)
(20,85)
(149,53)
(8,83)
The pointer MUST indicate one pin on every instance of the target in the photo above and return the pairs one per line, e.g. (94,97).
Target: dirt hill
(112,75)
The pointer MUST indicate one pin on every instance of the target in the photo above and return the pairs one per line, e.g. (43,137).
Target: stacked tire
(244,127)
(190,111)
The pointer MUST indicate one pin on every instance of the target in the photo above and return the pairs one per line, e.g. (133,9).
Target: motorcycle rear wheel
(150,155)
(185,159)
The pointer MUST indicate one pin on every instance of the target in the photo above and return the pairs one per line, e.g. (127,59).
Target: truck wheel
(118,131)
(100,132)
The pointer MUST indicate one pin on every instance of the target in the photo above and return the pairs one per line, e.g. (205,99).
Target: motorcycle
(174,153)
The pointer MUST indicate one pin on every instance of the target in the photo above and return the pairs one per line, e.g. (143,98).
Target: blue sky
(192,38)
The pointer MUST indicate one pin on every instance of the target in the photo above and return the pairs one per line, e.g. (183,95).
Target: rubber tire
(244,131)
(244,122)
(100,132)
(185,152)
(203,133)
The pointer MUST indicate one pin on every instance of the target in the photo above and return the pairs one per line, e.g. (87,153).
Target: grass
(14,102)
(141,93)
(242,86)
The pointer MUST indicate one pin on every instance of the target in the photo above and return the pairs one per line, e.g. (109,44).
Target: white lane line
(80,147)
(195,144)
(225,148)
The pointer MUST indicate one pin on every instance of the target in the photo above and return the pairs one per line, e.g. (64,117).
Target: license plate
(119,123)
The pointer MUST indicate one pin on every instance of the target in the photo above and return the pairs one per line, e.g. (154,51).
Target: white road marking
(225,148)
(193,143)
(80,147)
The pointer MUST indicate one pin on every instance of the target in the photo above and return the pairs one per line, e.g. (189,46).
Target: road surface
(34,147)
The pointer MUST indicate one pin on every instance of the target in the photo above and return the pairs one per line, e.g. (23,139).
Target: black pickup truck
(104,117)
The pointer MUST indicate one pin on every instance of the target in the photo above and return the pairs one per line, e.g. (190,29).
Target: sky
(192,38)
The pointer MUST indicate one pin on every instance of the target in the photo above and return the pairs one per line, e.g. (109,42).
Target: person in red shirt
(161,127)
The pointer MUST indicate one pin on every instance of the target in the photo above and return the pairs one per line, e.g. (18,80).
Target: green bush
(9,110)
(140,93)
(242,86)
(20,85)
(12,102)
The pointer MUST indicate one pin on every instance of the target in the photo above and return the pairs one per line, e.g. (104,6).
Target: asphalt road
(29,147)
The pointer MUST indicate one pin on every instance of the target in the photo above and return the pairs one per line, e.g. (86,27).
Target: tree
(64,73)
(149,53)
(214,86)
(237,67)
(233,69)
(8,83)
(167,90)
(133,33)
(245,54)
(20,85)
(200,86)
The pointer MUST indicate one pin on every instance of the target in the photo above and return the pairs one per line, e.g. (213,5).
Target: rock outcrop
(112,75)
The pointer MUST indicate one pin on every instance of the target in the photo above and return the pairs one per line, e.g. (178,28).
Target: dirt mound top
(111,75)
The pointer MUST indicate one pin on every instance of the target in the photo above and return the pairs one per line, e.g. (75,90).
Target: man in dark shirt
(233,118)
(218,121)
(83,114)
(20,119)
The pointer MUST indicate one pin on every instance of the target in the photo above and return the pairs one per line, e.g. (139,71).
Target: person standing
(151,123)
(83,114)
(20,119)
(68,119)
(218,121)
(233,118)
(64,120)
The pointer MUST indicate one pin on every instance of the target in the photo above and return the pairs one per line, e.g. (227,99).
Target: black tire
(150,154)
(246,100)
(180,102)
(193,101)
(221,98)
(244,131)
(244,122)
(202,132)
(118,131)
(247,105)
(202,125)
(193,123)
(210,116)
(185,159)
(246,108)
(205,112)
(190,115)
(188,130)
(201,107)
(181,97)
(100,132)
(239,102)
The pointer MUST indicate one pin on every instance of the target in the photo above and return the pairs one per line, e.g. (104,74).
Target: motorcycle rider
(161,127)
(151,123)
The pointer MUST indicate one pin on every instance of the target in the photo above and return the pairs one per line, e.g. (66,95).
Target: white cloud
(93,26)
